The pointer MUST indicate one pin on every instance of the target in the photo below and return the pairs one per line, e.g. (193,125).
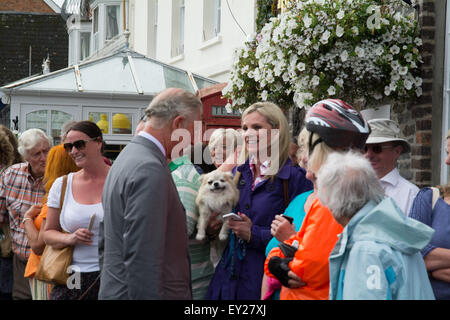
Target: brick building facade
(415,118)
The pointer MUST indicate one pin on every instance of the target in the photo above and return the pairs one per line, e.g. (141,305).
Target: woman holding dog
(304,273)
(267,181)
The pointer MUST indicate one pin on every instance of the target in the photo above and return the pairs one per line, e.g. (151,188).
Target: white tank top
(73,216)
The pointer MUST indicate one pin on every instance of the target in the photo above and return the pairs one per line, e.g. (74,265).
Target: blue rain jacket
(377,256)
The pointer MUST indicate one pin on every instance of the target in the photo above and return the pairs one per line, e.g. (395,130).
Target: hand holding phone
(233,216)
(91,222)
(290,219)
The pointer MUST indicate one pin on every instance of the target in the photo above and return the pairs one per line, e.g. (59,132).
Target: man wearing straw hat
(383,147)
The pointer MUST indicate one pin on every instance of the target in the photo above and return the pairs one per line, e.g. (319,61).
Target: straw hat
(386,130)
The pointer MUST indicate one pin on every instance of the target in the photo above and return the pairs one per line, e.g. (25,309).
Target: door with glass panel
(50,120)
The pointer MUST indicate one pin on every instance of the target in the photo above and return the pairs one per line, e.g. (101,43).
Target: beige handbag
(55,262)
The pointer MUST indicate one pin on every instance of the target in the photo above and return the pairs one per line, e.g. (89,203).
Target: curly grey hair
(346,182)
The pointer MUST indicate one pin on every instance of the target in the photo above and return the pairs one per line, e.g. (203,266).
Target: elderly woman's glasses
(79,144)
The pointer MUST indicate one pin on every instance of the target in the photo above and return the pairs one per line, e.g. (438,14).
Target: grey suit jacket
(143,244)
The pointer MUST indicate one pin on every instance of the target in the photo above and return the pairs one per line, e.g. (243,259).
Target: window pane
(112,21)
(58,118)
(95,20)
(85,45)
(37,119)
(122,123)
(101,119)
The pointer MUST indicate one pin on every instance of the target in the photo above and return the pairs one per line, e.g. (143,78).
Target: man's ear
(178,122)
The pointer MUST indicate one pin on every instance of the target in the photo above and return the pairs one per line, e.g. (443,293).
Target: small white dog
(218,193)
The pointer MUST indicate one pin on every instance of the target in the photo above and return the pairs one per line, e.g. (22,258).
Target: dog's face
(217,181)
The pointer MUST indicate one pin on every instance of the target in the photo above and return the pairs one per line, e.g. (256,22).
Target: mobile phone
(290,219)
(232,215)
(91,222)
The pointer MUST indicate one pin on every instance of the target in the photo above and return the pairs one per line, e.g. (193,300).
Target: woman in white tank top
(83,199)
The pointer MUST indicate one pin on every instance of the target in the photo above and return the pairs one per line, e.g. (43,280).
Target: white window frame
(178,20)
(98,40)
(211,33)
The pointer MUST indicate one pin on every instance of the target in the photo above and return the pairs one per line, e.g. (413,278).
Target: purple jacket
(239,273)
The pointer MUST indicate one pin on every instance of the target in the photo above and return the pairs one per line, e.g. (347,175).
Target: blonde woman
(264,176)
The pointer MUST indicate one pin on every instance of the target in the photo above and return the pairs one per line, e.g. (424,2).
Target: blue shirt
(439,220)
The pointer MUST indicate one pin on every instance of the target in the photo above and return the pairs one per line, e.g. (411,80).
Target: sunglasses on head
(376,148)
(79,144)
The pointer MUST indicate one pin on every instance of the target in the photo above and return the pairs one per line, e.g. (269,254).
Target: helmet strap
(311,145)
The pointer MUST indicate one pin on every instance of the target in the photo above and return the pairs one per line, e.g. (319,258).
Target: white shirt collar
(392,177)
(154,140)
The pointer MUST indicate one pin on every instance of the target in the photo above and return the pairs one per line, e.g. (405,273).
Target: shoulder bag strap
(63,192)
(286,193)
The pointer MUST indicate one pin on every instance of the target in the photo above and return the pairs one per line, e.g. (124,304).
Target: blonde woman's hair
(277,120)
(302,142)
(319,154)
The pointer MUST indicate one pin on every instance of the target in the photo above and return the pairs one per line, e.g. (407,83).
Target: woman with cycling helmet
(332,125)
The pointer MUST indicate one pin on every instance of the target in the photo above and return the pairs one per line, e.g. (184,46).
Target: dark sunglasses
(376,148)
(79,144)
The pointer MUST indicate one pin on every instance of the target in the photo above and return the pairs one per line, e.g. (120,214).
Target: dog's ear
(229,175)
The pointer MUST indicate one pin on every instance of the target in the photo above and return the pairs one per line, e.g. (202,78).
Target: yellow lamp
(121,124)
(103,124)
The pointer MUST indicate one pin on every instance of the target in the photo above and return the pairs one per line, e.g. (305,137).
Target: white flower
(320,2)
(340,14)
(339,31)
(408,57)
(264,95)
(379,50)
(301,66)
(393,86)
(418,42)
(307,21)
(394,49)
(339,82)
(325,37)
(387,37)
(419,91)
(408,84)
(315,81)
(395,65)
(344,56)
(418,81)
(355,30)
(387,90)
(403,71)
(331,90)
(359,51)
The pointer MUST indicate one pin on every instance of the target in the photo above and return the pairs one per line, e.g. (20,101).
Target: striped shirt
(18,192)
(187,181)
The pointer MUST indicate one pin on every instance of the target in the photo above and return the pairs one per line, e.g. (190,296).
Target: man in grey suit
(143,243)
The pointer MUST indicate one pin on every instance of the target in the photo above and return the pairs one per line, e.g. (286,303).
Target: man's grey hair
(346,182)
(170,104)
(66,126)
(31,138)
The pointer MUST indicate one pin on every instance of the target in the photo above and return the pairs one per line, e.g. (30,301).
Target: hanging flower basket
(355,50)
